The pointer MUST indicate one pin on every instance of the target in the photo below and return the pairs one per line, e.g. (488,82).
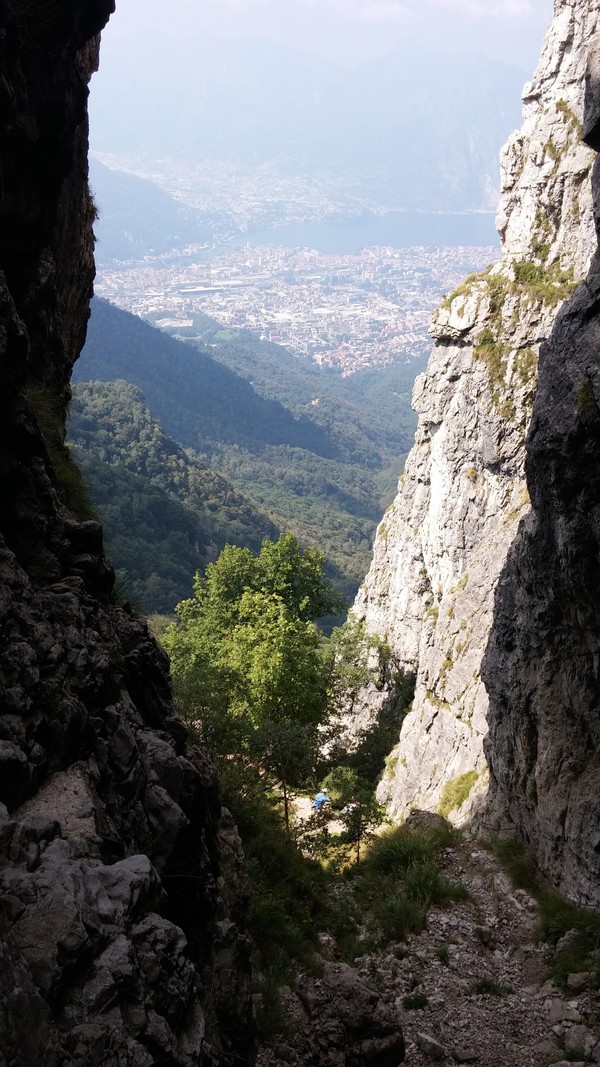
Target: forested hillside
(368,415)
(165,515)
(316,452)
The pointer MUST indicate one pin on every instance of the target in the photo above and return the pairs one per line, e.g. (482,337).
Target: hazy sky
(350,31)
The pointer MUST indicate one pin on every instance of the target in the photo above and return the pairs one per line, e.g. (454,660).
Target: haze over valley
(405,131)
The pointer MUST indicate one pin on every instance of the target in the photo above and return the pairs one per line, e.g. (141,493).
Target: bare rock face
(116,944)
(541,666)
(441,547)
(337,1020)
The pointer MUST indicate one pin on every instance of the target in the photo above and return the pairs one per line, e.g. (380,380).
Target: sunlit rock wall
(441,546)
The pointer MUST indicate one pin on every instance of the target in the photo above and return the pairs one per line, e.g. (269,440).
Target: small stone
(327,945)
(33,857)
(430,1046)
(580,1037)
(561,1012)
(545,1050)
(566,940)
(436,1003)
(527,901)
(578,981)
(463,1055)
(484,934)
(569,1063)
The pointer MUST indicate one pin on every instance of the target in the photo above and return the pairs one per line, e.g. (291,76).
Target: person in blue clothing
(321,801)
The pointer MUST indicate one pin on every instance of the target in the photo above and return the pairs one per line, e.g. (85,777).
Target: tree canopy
(250,666)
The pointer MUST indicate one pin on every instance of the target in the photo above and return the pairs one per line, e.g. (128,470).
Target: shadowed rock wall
(542,667)
(116,947)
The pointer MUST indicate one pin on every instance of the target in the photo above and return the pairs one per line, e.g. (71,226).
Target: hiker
(321,801)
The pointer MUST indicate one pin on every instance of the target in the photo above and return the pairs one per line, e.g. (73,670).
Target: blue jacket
(320,800)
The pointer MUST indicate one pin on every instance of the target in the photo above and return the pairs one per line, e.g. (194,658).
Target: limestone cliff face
(115,945)
(441,547)
(542,665)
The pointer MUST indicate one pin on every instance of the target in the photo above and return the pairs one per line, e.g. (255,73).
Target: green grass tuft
(456,791)
(401,878)
(443,955)
(397,850)
(415,1001)
(50,415)
(397,915)
(489,987)
(550,284)
(586,400)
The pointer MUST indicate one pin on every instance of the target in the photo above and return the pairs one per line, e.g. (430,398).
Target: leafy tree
(360,813)
(249,663)
(360,818)
(355,660)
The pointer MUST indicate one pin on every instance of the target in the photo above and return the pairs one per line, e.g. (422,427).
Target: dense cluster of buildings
(349,311)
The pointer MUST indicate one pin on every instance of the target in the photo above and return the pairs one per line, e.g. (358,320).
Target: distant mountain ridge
(416,130)
(136,216)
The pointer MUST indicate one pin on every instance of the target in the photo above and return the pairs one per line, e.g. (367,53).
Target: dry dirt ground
(304,814)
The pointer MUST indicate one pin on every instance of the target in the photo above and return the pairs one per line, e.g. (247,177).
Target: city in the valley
(347,311)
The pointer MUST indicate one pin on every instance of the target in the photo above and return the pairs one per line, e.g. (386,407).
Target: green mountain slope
(310,448)
(165,515)
(367,416)
(196,399)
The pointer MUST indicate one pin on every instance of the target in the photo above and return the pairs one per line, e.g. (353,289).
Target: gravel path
(476,982)
(526,1021)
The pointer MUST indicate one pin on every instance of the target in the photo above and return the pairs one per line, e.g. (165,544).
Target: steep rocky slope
(115,945)
(441,547)
(541,667)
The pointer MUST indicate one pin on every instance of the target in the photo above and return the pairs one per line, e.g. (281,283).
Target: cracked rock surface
(440,551)
(117,946)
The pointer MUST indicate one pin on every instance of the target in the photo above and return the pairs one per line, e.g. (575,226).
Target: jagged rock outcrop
(441,546)
(542,667)
(116,944)
(336,1020)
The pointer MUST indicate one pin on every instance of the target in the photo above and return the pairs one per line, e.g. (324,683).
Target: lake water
(398,229)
